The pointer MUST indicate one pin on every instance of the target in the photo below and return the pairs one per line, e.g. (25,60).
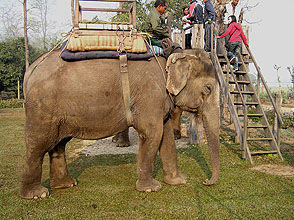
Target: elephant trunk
(211,122)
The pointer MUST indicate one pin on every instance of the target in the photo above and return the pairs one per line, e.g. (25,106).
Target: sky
(271,38)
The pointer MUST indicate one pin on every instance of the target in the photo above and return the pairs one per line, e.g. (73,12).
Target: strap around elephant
(125,87)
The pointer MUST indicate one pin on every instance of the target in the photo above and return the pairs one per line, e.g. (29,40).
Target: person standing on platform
(209,18)
(187,23)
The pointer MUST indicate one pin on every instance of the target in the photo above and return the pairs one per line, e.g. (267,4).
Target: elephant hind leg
(31,187)
(122,139)
(59,177)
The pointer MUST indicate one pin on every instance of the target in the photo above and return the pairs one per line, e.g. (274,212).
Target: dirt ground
(105,146)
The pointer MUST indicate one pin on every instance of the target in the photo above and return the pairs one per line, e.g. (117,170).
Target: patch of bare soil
(106,146)
(278,170)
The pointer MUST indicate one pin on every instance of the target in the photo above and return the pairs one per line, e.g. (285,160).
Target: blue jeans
(207,38)
(233,50)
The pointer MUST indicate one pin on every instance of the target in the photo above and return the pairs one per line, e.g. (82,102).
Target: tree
(291,71)
(41,26)
(12,63)
(175,9)
(25,30)
(11,21)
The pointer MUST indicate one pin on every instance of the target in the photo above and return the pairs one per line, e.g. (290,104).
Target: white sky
(271,40)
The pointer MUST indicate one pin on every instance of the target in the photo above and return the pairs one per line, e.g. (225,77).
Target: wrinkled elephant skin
(84,100)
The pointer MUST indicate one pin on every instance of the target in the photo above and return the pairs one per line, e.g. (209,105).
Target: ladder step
(256,126)
(243,92)
(240,82)
(263,152)
(259,139)
(240,72)
(247,103)
(251,115)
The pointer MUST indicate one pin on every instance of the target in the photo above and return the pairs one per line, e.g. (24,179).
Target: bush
(11,103)
(288,119)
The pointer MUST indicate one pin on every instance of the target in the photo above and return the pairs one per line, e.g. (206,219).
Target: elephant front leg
(148,147)
(168,156)
(59,177)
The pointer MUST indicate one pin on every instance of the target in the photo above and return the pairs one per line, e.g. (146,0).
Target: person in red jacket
(236,35)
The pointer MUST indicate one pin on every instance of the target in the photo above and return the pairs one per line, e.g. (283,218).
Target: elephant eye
(207,89)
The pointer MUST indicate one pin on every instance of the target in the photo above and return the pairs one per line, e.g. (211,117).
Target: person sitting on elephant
(158,29)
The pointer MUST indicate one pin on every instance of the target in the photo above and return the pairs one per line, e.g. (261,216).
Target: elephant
(83,99)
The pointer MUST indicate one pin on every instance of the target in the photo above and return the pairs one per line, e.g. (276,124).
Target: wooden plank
(239,82)
(263,152)
(257,126)
(243,92)
(246,103)
(105,10)
(259,139)
(107,0)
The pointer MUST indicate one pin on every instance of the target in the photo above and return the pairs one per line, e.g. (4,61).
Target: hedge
(11,103)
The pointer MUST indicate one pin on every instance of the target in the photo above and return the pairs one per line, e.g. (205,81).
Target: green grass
(106,184)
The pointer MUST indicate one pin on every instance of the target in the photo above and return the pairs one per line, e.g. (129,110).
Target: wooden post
(18,90)
(177,38)
(134,14)
(196,129)
(77,14)
(276,123)
(183,40)
(197,36)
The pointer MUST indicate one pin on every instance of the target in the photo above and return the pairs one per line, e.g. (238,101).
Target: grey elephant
(84,100)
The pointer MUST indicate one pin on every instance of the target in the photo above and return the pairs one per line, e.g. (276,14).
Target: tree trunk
(73,12)
(25,33)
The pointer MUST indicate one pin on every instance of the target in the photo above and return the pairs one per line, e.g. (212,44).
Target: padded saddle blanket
(77,56)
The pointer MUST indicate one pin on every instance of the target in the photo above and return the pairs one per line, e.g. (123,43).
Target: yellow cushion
(134,44)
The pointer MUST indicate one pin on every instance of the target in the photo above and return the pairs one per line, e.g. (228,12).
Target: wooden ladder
(245,107)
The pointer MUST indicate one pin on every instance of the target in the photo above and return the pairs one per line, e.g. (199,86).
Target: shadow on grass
(77,167)
(83,162)
(195,152)
(198,189)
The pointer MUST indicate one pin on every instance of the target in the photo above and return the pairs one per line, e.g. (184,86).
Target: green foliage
(288,119)
(291,71)
(11,103)
(175,9)
(12,63)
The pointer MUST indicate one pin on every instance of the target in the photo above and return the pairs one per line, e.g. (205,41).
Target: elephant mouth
(189,109)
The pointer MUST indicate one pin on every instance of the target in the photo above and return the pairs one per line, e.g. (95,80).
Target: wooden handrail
(105,9)
(107,0)
(265,85)
(79,10)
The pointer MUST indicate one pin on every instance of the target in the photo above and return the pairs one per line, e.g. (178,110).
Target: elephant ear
(178,68)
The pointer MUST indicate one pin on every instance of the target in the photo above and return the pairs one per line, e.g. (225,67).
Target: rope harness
(125,78)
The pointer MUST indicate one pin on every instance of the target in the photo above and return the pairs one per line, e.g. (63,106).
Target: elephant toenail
(148,190)
(35,197)
(44,194)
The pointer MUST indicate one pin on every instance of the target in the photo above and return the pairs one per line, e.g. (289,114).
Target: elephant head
(192,81)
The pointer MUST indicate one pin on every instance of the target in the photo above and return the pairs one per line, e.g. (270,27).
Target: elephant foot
(173,180)
(120,141)
(210,182)
(148,186)
(66,182)
(177,134)
(33,192)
